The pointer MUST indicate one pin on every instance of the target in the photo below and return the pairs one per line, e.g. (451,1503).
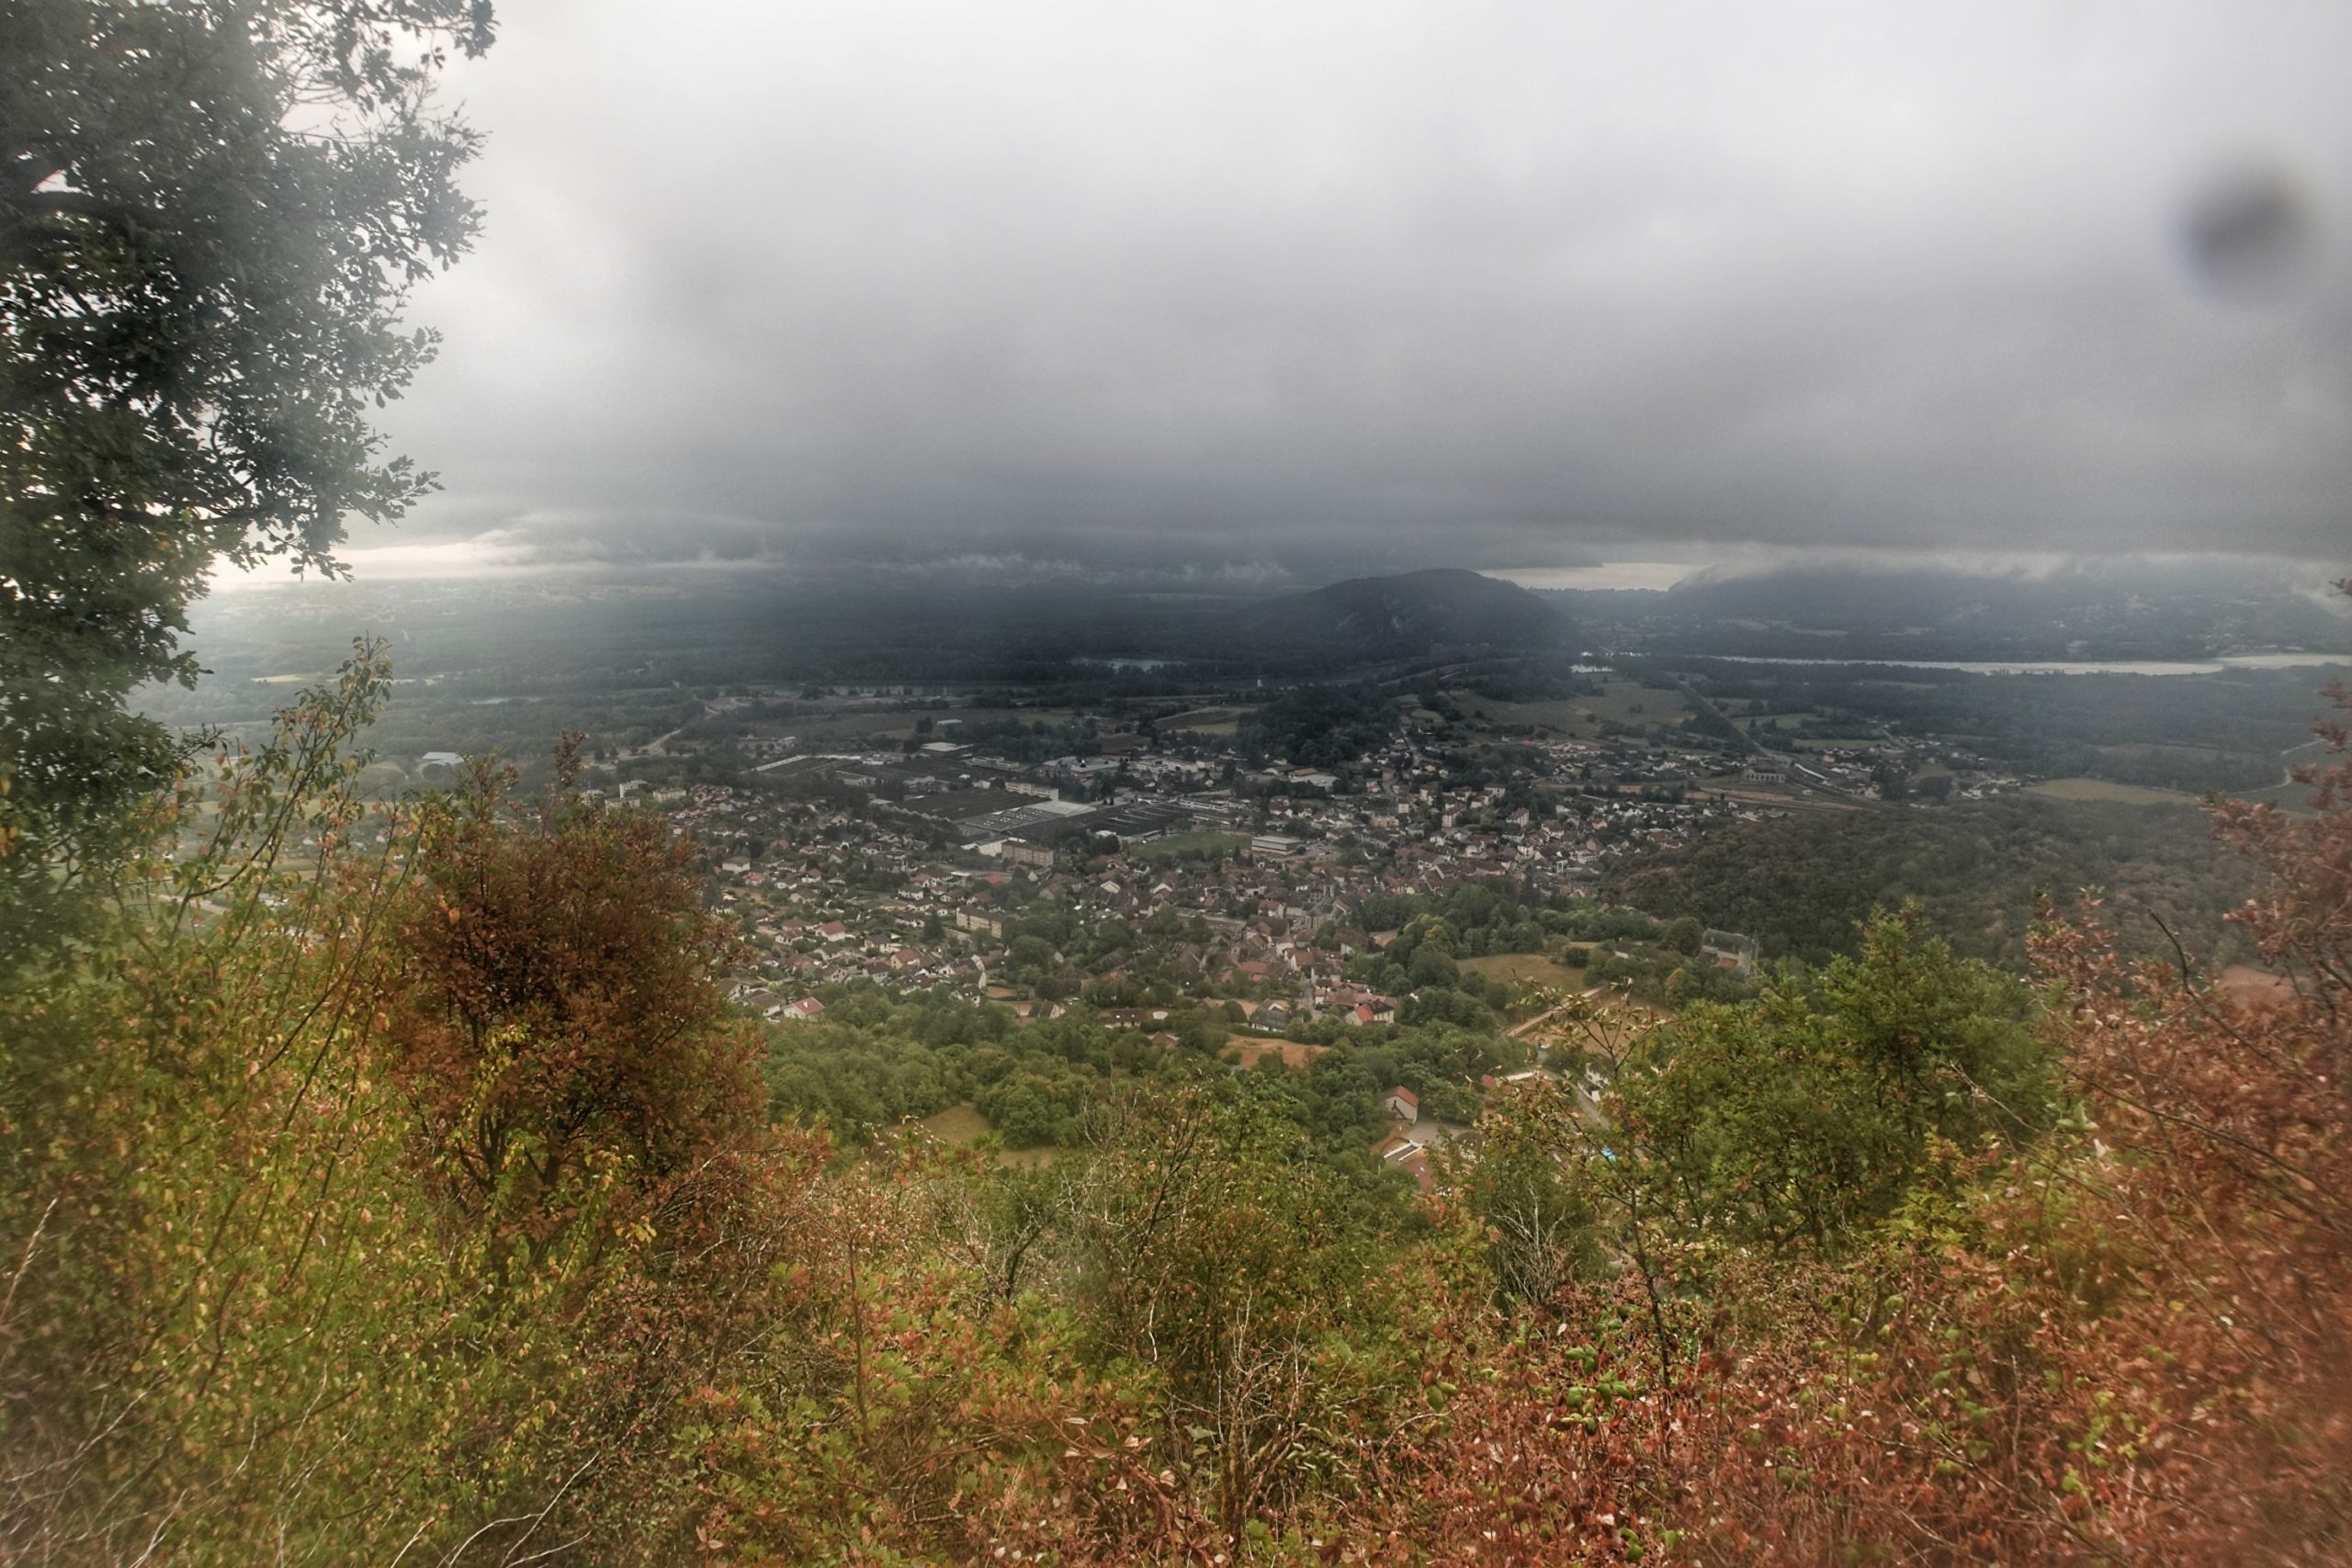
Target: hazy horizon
(1512,285)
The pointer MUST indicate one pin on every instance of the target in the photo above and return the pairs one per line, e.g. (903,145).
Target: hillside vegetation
(384,1184)
(1403,616)
(1802,884)
(425,1183)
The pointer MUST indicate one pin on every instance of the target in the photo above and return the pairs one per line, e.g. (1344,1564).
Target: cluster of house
(905,867)
(918,871)
(1862,772)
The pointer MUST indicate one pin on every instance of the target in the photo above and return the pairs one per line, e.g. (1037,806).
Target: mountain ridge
(1404,614)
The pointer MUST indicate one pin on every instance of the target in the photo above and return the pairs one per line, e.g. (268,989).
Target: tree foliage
(1898,1261)
(552,1002)
(241,1309)
(211,217)
(1809,1114)
(1802,883)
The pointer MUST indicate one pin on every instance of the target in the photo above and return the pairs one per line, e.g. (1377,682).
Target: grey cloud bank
(1483,281)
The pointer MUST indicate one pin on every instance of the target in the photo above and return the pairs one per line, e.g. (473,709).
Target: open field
(1618,702)
(1251,1047)
(2102,789)
(1787,798)
(898,725)
(1207,721)
(1527,969)
(1857,741)
(833,727)
(956,1124)
(963,1125)
(1191,843)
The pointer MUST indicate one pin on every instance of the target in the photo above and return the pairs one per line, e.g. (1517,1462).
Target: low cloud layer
(1489,282)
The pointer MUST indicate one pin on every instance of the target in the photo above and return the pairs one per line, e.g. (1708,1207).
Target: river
(2079,667)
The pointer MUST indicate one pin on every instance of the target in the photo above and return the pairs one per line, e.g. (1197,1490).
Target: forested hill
(1800,884)
(1396,617)
(2115,610)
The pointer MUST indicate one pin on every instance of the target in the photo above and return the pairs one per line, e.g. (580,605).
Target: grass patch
(1200,840)
(898,725)
(1526,969)
(1251,1048)
(960,1124)
(1854,740)
(956,1124)
(1207,721)
(2107,789)
(1618,702)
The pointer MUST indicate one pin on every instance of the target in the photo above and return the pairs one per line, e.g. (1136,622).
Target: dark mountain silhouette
(1403,616)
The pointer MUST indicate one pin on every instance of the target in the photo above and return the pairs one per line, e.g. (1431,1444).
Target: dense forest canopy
(1802,883)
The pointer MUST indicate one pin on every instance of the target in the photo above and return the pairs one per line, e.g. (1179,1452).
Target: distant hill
(2115,610)
(1402,616)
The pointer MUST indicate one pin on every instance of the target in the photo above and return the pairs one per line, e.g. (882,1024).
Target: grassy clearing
(898,725)
(1526,969)
(2107,789)
(1207,721)
(1200,840)
(1791,798)
(1856,742)
(1618,702)
(835,725)
(1251,1047)
(960,1124)
(956,1124)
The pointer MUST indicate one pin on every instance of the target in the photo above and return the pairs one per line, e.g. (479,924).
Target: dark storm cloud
(1462,280)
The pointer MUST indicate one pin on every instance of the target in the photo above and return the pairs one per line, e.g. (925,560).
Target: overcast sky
(1485,281)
